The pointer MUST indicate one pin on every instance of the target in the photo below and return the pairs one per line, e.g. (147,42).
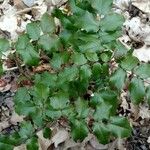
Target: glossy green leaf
(22,42)
(26,130)
(96,99)
(91,56)
(88,22)
(46,79)
(91,44)
(53,114)
(143,71)
(96,70)
(22,95)
(148,94)
(79,130)
(47,23)
(118,79)
(48,42)
(104,57)
(41,91)
(25,108)
(112,22)
(85,72)
(47,132)
(102,6)
(110,97)
(29,55)
(82,108)
(32,144)
(102,133)
(129,62)
(103,111)
(59,101)
(4,45)
(119,127)
(68,74)
(107,37)
(79,59)
(137,90)
(4,146)
(33,30)
(120,50)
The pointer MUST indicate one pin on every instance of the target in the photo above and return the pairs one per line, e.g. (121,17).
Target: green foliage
(83,83)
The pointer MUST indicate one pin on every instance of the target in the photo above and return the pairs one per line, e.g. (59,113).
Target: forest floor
(15,14)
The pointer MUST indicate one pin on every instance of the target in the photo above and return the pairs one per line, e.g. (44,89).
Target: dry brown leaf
(3,125)
(143,54)
(19,4)
(21,147)
(143,5)
(144,111)
(43,143)
(60,137)
(42,68)
(15,118)
(96,145)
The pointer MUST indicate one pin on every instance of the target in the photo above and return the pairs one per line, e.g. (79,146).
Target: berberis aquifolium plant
(81,53)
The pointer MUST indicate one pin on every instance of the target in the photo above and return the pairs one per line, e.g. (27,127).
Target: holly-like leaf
(48,42)
(1,68)
(47,23)
(110,97)
(22,42)
(74,8)
(46,79)
(47,132)
(38,117)
(96,100)
(32,144)
(148,94)
(107,37)
(104,57)
(82,108)
(120,50)
(4,45)
(53,114)
(56,61)
(137,90)
(29,55)
(7,142)
(26,130)
(102,6)
(33,30)
(79,130)
(79,59)
(118,79)
(85,72)
(96,70)
(90,44)
(68,74)
(129,62)
(103,111)
(41,91)
(143,71)
(88,22)
(59,101)
(25,108)
(22,95)
(92,56)
(4,146)
(119,127)
(102,133)
(112,22)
